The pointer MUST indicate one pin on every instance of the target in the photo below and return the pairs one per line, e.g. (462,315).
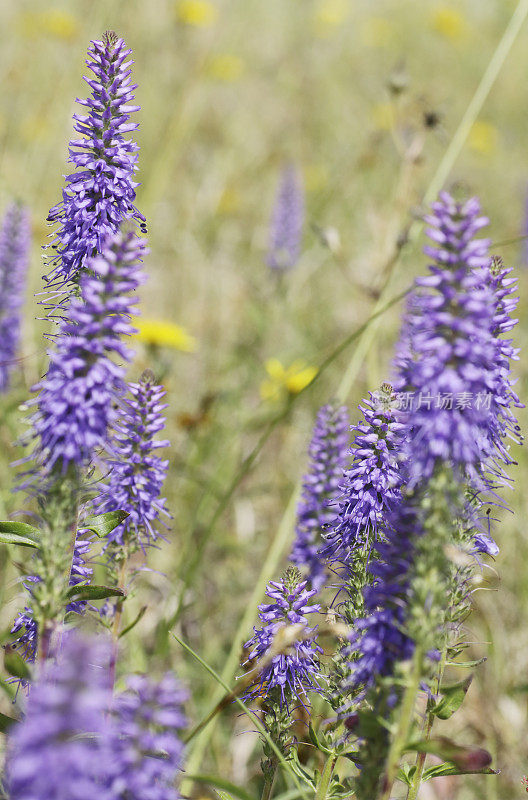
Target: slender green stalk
(326,777)
(439,178)
(269,780)
(400,737)
(255,720)
(53,560)
(480,96)
(116,627)
(277,547)
(366,334)
(412,794)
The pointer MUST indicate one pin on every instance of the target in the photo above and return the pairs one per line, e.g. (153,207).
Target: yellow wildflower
(59,23)
(281,380)
(377,32)
(225,67)
(34,128)
(315,177)
(330,14)
(165,334)
(229,202)
(383,116)
(483,138)
(449,22)
(55,22)
(201,13)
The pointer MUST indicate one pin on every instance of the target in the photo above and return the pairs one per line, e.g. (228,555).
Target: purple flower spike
(76,397)
(378,642)
(287,222)
(372,484)
(449,361)
(148,752)
(58,750)
(74,743)
(27,642)
(136,472)
(328,457)
(100,195)
(293,673)
(503,425)
(14,257)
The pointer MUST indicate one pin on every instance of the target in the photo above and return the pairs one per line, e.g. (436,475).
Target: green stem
(269,780)
(404,724)
(257,723)
(116,627)
(326,777)
(412,794)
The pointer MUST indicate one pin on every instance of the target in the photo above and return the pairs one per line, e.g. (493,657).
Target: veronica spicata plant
(135,474)
(287,222)
(76,741)
(99,196)
(290,669)
(328,456)
(15,242)
(448,361)
(75,407)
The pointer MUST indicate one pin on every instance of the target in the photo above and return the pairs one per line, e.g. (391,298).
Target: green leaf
(299,770)
(9,689)
(6,722)
(134,622)
(19,533)
(438,770)
(317,742)
(466,663)
(103,524)
(452,698)
(221,783)
(85,591)
(15,664)
(469,760)
(406,773)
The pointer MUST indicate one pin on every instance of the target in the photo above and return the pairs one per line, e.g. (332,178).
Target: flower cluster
(14,256)
(328,457)
(450,343)
(453,349)
(75,401)
(296,671)
(76,742)
(378,637)
(287,222)
(58,750)
(147,752)
(100,194)
(372,483)
(503,424)
(136,474)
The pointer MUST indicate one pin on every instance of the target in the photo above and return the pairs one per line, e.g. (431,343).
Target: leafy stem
(401,735)
(326,777)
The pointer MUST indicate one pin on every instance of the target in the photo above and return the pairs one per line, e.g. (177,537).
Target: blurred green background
(364,96)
